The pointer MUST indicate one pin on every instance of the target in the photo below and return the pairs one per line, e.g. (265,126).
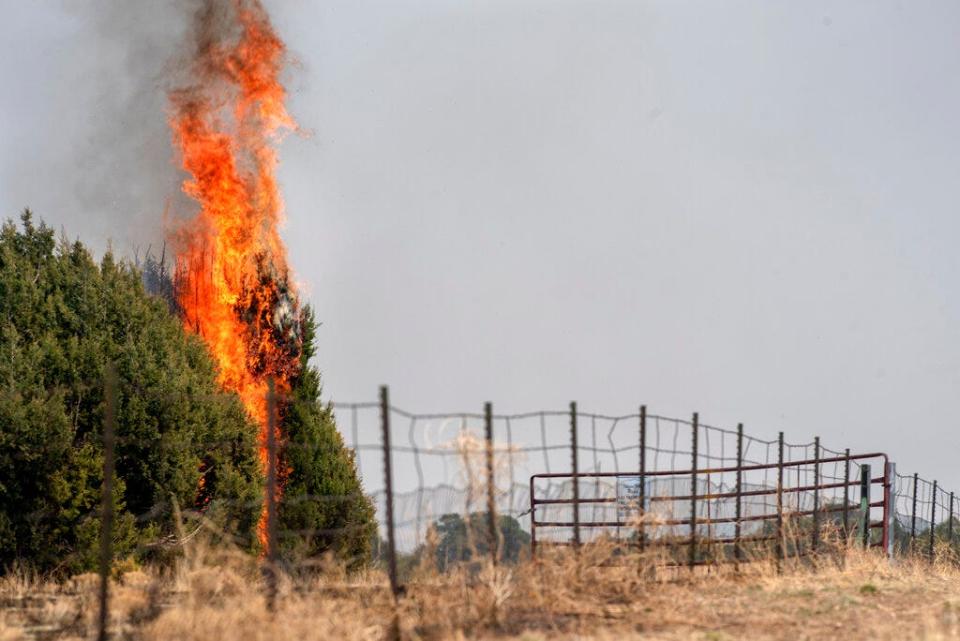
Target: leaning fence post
(865,505)
(933,520)
(388,486)
(913,514)
(693,490)
(491,487)
(106,506)
(781,544)
(642,489)
(815,541)
(576,471)
(739,507)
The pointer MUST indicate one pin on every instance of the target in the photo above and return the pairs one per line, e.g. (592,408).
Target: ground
(217,596)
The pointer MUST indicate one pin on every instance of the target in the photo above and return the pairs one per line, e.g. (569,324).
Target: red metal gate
(729,507)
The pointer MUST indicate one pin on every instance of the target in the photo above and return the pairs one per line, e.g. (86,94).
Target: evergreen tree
(460,539)
(323,498)
(63,320)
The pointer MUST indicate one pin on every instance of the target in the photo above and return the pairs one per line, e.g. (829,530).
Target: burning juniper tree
(232,280)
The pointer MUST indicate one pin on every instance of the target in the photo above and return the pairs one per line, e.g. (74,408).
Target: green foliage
(454,542)
(323,499)
(949,532)
(462,540)
(63,319)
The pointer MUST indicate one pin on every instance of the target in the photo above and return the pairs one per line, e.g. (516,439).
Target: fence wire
(642,478)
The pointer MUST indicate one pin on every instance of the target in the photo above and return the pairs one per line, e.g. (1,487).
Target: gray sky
(746,208)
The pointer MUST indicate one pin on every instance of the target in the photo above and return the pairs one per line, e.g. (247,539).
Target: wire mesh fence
(439,458)
(926,517)
(674,479)
(460,486)
(442,465)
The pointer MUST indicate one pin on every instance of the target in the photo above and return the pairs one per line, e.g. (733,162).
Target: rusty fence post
(865,505)
(388,486)
(271,568)
(576,470)
(491,485)
(693,489)
(781,544)
(737,551)
(642,489)
(106,505)
(933,521)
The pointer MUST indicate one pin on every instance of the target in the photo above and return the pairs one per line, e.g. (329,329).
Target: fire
(232,274)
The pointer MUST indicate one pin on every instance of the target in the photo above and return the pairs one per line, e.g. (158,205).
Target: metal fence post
(933,520)
(642,490)
(781,544)
(889,509)
(693,490)
(491,485)
(106,506)
(271,490)
(950,524)
(576,480)
(533,520)
(388,485)
(913,513)
(846,494)
(865,505)
(815,539)
(739,507)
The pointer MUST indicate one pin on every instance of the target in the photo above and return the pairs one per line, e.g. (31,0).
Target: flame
(232,275)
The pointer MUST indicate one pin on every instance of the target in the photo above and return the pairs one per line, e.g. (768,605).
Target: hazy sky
(746,208)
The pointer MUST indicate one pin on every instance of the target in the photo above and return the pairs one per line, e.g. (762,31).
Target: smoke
(104,169)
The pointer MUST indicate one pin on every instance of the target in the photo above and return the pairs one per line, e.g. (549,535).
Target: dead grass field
(217,596)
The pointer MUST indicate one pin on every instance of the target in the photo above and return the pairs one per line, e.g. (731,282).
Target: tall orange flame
(232,275)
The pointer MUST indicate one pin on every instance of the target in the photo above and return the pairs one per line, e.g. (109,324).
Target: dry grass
(218,596)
